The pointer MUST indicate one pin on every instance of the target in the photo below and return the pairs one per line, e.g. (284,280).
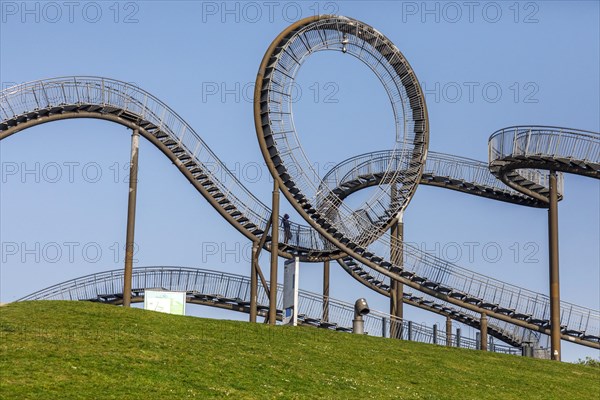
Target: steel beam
(555,331)
(448,332)
(274,255)
(396,287)
(129,240)
(483,322)
(254,283)
(326,291)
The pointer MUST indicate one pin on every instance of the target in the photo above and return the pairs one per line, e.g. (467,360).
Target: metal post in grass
(527,349)
(448,331)
(326,291)
(396,287)
(483,326)
(131,202)
(254,283)
(274,255)
(555,331)
(435,333)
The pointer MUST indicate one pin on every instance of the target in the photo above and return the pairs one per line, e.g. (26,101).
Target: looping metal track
(448,285)
(361,234)
(281,145)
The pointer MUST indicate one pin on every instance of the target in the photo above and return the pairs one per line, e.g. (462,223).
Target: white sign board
(291,270)
(164,301)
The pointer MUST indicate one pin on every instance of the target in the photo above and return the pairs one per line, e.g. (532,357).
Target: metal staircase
(231,291)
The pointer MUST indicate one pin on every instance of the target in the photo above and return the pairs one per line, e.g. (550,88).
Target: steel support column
(253,282)
(554,274)
(448,331)
(396,288)
(274,255)
(131,202)
(326,291)
(483,328)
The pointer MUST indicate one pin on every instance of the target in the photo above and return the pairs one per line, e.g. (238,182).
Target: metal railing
(373,245)
(388,64)
(453,168)
(30,98)
(109,93)
(547,141)
(236,288)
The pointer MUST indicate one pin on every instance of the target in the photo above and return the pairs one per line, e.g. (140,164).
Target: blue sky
(483,66)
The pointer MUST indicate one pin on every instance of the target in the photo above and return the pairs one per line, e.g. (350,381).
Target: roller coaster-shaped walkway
(358,239)
(232,292)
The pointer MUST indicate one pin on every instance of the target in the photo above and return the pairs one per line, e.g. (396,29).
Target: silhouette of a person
(287,228)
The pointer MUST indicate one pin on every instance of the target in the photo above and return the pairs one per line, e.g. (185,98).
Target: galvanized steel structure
(359,239)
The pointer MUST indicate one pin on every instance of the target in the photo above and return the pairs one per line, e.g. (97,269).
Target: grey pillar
(130,240)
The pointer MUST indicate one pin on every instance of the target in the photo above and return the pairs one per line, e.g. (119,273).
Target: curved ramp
(447,171)
(514,151)
(35,103)
(231,291)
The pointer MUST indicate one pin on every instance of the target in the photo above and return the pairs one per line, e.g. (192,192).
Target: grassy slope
(70,350)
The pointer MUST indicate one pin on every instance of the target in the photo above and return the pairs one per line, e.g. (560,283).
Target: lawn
(79,350)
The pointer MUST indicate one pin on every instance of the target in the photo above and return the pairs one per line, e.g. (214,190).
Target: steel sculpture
(359,240)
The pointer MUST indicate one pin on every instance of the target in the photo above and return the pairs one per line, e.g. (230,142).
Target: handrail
(233,288)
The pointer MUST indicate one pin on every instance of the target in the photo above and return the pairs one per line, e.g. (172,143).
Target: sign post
(291,270)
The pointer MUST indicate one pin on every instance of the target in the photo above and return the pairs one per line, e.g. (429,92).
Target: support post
(131,202)
(448,332)
(458,337)
(326,291)
(396,288)
(435,334)
(527,349)
(483,328)
(254,283)
(274,255)
(554,274)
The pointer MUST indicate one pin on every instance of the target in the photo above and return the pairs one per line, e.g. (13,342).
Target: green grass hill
(78,350)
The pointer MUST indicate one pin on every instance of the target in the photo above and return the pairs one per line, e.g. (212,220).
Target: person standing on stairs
(287,228)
